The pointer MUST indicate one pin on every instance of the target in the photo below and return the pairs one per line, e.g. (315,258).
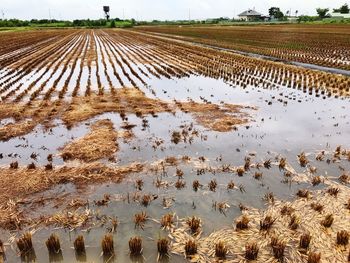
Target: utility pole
(123,14)
(2,14)
(50,15)
(189,14)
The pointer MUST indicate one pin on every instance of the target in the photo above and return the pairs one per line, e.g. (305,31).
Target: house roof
(250,12)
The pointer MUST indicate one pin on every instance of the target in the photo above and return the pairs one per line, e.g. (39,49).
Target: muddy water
(285,123)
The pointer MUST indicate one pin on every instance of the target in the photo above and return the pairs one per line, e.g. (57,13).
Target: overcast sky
(153,9)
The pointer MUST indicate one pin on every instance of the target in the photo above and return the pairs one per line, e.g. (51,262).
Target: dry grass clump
(314,257)
(2,251)
(14,165)
(316,180)
(79,247)
(25,247)
(222,118)
(303,159)
(180,184)
(139,184)
(176,137)
(135,246)
(343,238)
(304,241)
(278,247)
(247,163)
(107,245)
(196,185)
(220,250)
(240,171)
(347,205)
(54,247)
(294,222)
(243,223)
(190,248)
(267,164)
(163,247)
(126,100)
(333,191)
(303,193)
(140,219)
(49,167)
(25,243)
(20,183)
(31,166)
(194,224)
(287,210)
(327,221)
(179,173)
(266,223)
(258,175)
(251,251)
(344,178)
(282,164)
(269,197)
(167,220)
(104,201)
(317,207)
(100,143)
(146,200)
(212,185)
(320,156)
(19,128)
(231,185)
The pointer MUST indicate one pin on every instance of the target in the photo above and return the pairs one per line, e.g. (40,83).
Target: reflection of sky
(153,9)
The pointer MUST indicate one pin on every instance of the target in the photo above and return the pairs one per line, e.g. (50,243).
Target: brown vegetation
(100,143)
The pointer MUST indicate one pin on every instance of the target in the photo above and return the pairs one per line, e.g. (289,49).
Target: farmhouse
(250,15)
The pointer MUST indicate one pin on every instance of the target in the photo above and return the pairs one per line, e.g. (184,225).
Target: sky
(153,9)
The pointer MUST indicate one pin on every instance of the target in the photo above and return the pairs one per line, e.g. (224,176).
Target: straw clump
(343,238)
(135,246)
(190,248)
(79,246)
(100,143)
(194,224)
(140,219)
(24,243)
(266,223)
(220,250)
(107,245)
(305,240)
(278,247)
(327,221)
(314,257)
(243,223)
(53,244)
(251,251)
(163,247)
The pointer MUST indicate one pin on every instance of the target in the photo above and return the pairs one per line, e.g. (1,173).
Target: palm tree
(296,12)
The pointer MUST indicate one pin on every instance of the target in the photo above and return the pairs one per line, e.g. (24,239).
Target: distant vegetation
(87,23)
(275,16)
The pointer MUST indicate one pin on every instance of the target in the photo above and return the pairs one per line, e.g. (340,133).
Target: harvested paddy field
(128,146)
(324,45)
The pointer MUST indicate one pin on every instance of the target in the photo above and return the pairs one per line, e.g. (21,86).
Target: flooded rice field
(121,146)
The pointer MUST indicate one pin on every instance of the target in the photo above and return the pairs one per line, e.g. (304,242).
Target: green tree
(113,24)
(322,12)
(276,13)
(344,9)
